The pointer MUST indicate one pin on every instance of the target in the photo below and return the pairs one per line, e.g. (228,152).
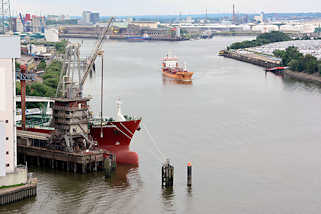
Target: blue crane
(23,22)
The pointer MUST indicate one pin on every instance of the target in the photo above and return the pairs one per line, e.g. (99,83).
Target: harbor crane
(71,113)
(66,86)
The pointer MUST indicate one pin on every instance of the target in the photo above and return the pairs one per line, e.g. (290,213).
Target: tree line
(262,39)
(298,62)
(49,84)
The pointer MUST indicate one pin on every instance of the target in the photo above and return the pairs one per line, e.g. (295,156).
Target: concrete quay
(269,62)
(17,193)
(255,59)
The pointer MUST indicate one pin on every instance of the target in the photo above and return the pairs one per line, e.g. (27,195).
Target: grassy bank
(15,185)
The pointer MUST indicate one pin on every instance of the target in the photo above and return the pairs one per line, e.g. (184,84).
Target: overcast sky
(160,7)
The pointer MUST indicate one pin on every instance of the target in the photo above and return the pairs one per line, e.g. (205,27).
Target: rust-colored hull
(184,76)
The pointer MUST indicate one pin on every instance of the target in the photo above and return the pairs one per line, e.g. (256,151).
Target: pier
(270,64)
(84,162)
(32,149)
(255,59)
(17,193)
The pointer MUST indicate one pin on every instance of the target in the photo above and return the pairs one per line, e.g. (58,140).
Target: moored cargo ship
(116,135)
(112,135)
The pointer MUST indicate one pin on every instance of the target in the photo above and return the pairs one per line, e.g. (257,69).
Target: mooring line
(154,143)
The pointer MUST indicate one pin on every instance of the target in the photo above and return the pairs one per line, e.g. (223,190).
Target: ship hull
(184,76)
(116,138)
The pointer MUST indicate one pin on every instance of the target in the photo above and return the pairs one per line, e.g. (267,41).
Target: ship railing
(97,121)
(67,108)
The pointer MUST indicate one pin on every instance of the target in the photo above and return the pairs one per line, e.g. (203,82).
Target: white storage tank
(51,35)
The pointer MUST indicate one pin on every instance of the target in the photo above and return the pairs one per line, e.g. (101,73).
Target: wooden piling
(113,162)
(75,167)
(189,174)
(67,166)
(107,167)
(167,174)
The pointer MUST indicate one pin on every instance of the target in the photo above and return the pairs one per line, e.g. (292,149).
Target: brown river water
(254,140)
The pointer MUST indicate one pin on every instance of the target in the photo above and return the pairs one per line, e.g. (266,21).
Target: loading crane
(66,86)
(23,22)
(93,57)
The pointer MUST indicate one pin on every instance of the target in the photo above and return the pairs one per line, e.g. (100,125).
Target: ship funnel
(119,116)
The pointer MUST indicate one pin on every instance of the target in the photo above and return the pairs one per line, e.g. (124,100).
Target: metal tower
(5,15)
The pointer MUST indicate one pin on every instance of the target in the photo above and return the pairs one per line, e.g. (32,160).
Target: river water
(253,139)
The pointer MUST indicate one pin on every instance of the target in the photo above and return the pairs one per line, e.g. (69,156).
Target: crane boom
(93,57)
(23,22)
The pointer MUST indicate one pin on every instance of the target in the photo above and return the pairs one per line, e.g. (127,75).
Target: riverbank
(240,33)
(268,62)
(303,76)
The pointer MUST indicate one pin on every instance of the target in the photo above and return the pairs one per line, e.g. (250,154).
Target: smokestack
(233,17)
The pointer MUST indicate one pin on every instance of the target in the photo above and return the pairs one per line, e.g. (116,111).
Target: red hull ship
(116,137)
(112,136)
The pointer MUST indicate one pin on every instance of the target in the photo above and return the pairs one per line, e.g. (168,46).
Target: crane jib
(92,59)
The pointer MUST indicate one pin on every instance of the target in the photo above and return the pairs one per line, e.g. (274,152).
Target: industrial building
(9,173)
(30,23)
(89,17)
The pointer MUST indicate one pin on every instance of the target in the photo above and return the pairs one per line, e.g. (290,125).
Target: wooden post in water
(107,167)
(38,161)
(167,174)
(189,174)
(75,167)
(113,162)
(67,166)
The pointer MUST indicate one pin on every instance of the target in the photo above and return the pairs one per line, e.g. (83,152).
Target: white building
(9,173)
(19,25)
(86,17)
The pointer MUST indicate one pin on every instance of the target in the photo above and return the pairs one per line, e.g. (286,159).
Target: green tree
(42,65)
(310,64)
(51,82)
(38,89)
(297,65)
(18,88)
(60,46)
(262,39)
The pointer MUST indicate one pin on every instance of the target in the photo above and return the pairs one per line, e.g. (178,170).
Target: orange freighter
(171,69)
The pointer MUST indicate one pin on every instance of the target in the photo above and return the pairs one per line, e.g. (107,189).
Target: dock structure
(68,146)
(33,149)
(253,58)
(17,193)
(167,174)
